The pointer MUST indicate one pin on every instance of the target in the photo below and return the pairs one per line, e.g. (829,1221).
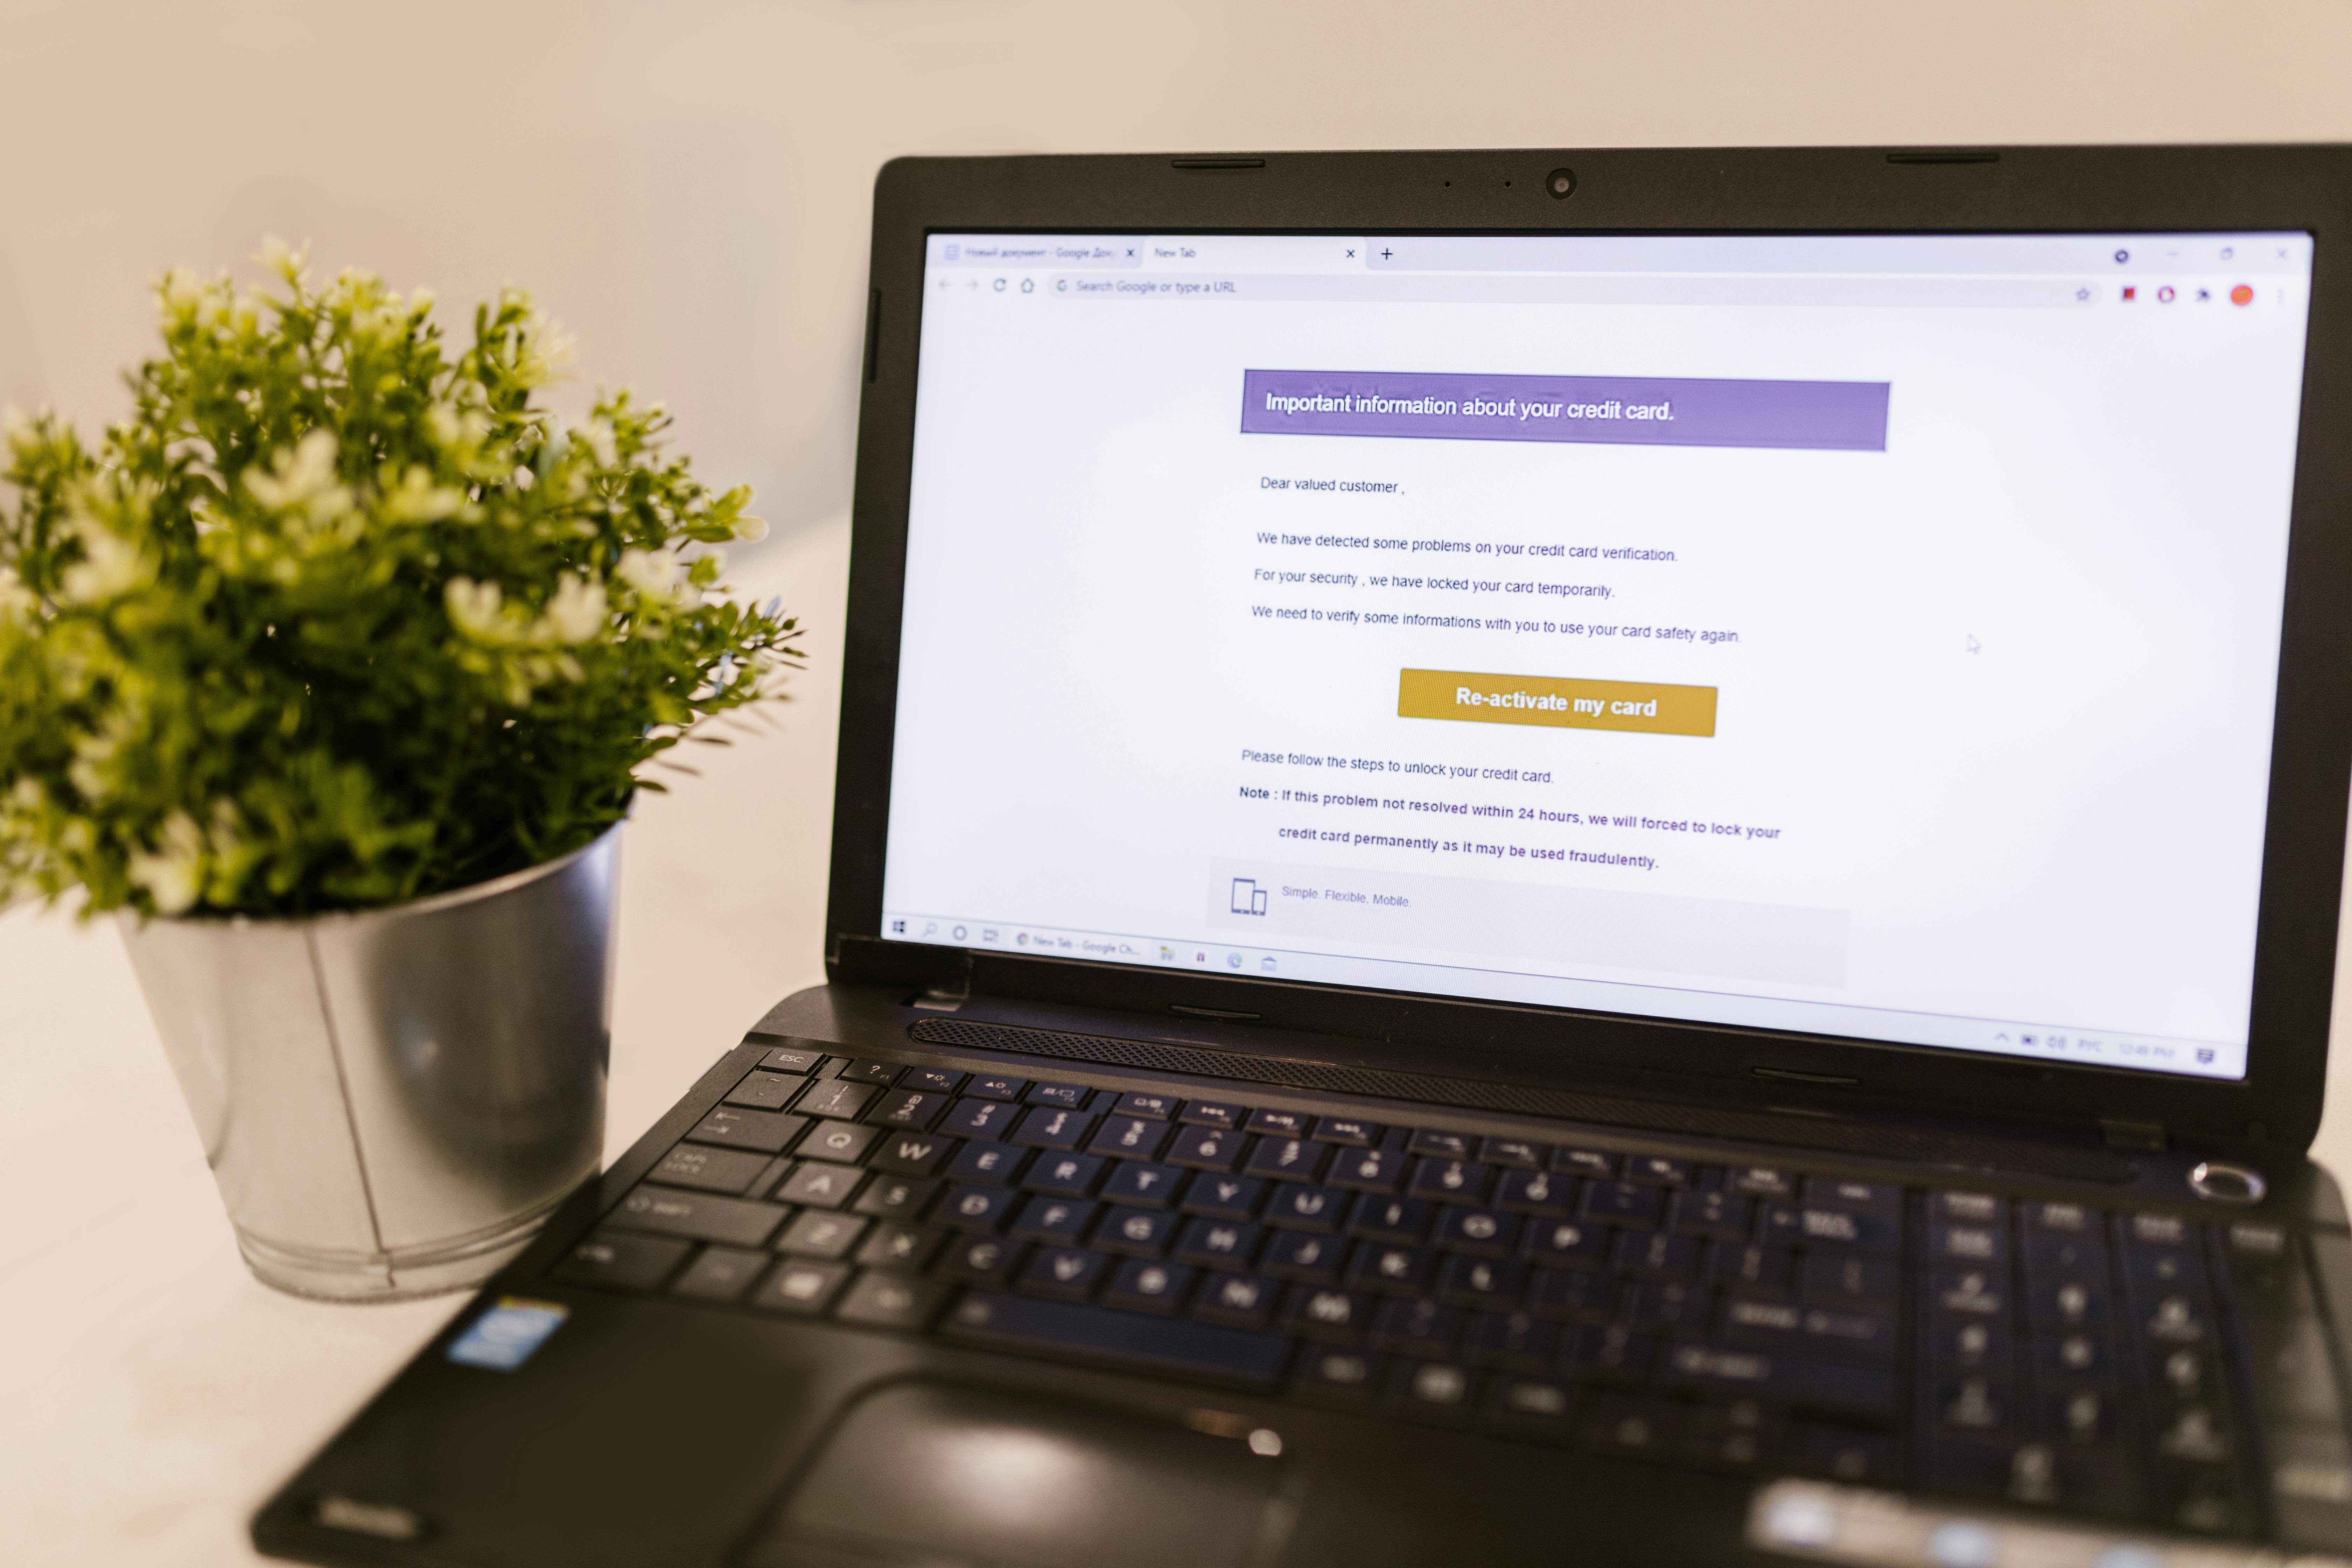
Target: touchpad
(941,1477)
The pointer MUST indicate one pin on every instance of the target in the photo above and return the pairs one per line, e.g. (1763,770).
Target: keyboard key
(1571,1296)
(982,1119)
(1971,1293)
(1337,1316)
(769,1132)
(913,1109)
(898,1198)
(1867,1197)
(1839,1333)
(1598,1163)
(2174,1320)
(1310,1260)
(1223,1197)
(1614,1353)
(1278,1123)
(816,1233)
(933,1080)
(1641,1428)
(1675,1312)
(1342,1378)
(1864,1231)
(899,1246)
(912,1154)
(1968,1208)
(1535,1192)
(2064,1219)
(1062,1272)
(1974,1401)
(1957,1346)
(1539,1407)
(1444,1145)
(1213,1113)
(1159,1107)
(1841,1456)
(1206,1148)
(842,1142)
(1622,1202)
(990,1086)
(1718,1215)
(1851,1388)
(1655,1255)
(1377,1218)
(1840,1278)
(764,1091)
(814,1184)
(1128,1341)
(1129,1137)
(881,1075)
(720,1274)
(1416,1328)
(1762,1182)
(1513,1153)
(835,1097)
(891,1301)
(699,1216)
(1240,1300)
(1450,1180)
(727,1171)
(1515,1342)
(1062,1175)
(1486,1283)
(2067,1303)
(1141,1286)
(1367,1170)
(1967,1246)
(1350,1131)
(1391,1270)
(979,1261)
(2058,1255)
(1571,1244)
(1139,1233)
(1216,1244)
(801,1288)
(1285,1159)
(1432,1391)
(975,1208)
(1657,1170)
(792,1060)
(1481,1232)
(2155,1270)
(1756,1271)
(1306,1208)
(1053,1127)
(1133,1183)
(1064,1096)
(1057,1220)
(987,1164)
(2156,1229)
(616,1257)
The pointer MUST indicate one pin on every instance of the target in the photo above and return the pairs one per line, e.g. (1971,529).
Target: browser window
(1874,636)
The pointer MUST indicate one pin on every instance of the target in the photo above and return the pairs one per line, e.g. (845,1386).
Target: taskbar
(1996,1037)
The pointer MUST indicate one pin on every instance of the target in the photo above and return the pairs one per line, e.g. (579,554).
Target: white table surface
(151,1393)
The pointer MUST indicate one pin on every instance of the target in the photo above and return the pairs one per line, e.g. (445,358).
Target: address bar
(1586,288)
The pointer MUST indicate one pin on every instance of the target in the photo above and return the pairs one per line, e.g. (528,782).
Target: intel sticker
(504,1337)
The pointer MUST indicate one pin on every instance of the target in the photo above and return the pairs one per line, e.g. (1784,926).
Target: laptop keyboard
(1745,1317)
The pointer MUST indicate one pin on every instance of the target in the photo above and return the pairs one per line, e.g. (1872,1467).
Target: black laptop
(1541,858)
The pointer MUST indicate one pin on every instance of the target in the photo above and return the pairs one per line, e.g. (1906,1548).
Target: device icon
(1248,898)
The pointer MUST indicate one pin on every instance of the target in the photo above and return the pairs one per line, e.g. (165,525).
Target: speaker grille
(1527,1099)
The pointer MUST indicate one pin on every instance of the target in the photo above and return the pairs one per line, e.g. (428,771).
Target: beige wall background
(686,182)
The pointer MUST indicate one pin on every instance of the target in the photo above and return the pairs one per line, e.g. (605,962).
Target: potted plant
(334,671)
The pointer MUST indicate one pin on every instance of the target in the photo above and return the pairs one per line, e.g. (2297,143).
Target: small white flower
(280,259)
(416,498)
(298,476)
(110,567)
(15,599)
(753,528)
(577,613)
(420,301)
(654,577)
(181,291)
(175,874)
(596,435)
(473,608)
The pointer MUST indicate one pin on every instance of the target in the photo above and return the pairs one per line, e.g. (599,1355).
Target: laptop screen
(1870,636)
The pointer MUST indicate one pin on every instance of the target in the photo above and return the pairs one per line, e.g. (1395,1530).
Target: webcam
(1561,183)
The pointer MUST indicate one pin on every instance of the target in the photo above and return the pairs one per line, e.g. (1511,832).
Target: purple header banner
(1615,410)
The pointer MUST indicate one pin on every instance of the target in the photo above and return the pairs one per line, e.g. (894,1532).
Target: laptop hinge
(2143,1135)
(945,995)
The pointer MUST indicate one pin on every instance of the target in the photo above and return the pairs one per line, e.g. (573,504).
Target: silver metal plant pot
(393,1101)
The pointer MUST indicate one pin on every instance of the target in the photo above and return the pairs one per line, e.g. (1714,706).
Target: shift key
(699,1215)
(1803,1225)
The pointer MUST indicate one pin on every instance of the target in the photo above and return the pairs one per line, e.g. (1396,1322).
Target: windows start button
(1556,700)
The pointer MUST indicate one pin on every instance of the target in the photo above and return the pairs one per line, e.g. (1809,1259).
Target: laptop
(1601,856)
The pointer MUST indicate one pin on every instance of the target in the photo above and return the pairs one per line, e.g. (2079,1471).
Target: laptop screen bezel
(1664,192)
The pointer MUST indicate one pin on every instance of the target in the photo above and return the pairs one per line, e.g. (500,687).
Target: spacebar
(1169,1346)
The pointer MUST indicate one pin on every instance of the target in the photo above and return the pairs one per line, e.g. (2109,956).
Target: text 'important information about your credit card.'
(1874,636)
